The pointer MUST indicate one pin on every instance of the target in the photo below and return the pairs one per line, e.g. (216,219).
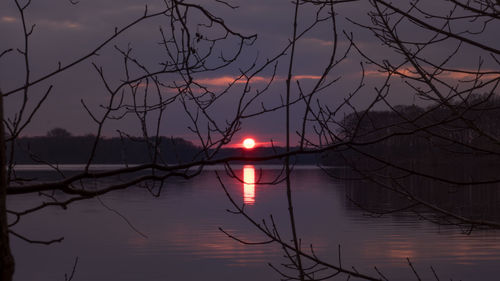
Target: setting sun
(248,143)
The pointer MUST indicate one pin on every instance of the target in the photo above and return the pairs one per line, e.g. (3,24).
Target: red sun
(248,143)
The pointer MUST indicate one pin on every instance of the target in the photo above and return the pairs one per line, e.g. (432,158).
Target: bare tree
(453,103)
(455,99)
(419,60)
(192,39)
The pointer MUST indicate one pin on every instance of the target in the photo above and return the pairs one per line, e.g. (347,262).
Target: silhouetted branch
(70,277)
(43,242)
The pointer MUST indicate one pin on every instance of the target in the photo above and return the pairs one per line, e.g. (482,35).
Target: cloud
(226,80)
(400,72)
(459,74)
(310,77)
(470,75)
(8,19)
(65,24)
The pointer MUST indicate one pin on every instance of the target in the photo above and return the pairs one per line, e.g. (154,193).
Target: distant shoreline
(109,167)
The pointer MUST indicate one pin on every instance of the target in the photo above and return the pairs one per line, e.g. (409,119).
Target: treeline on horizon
(60,147)
(460,133)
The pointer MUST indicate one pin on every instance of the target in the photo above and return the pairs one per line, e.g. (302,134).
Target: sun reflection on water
(249,184)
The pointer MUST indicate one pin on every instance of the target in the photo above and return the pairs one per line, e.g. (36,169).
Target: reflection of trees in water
(479,202)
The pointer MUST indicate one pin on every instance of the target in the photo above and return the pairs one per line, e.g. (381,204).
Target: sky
(64,32)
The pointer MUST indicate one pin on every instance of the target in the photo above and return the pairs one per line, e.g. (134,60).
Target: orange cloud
(470,76)
(8,19)
(226,80)
(216,81)
(301,77)
(400,72)
(61,24)
(459,74)
(50,23)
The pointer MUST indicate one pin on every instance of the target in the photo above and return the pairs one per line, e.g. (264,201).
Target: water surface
(183,240)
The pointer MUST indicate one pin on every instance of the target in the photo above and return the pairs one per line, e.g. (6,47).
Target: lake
(176,236)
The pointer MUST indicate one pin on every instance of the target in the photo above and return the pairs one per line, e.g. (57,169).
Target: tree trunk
(6,258)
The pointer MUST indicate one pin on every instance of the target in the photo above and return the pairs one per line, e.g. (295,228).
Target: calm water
(183,241)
